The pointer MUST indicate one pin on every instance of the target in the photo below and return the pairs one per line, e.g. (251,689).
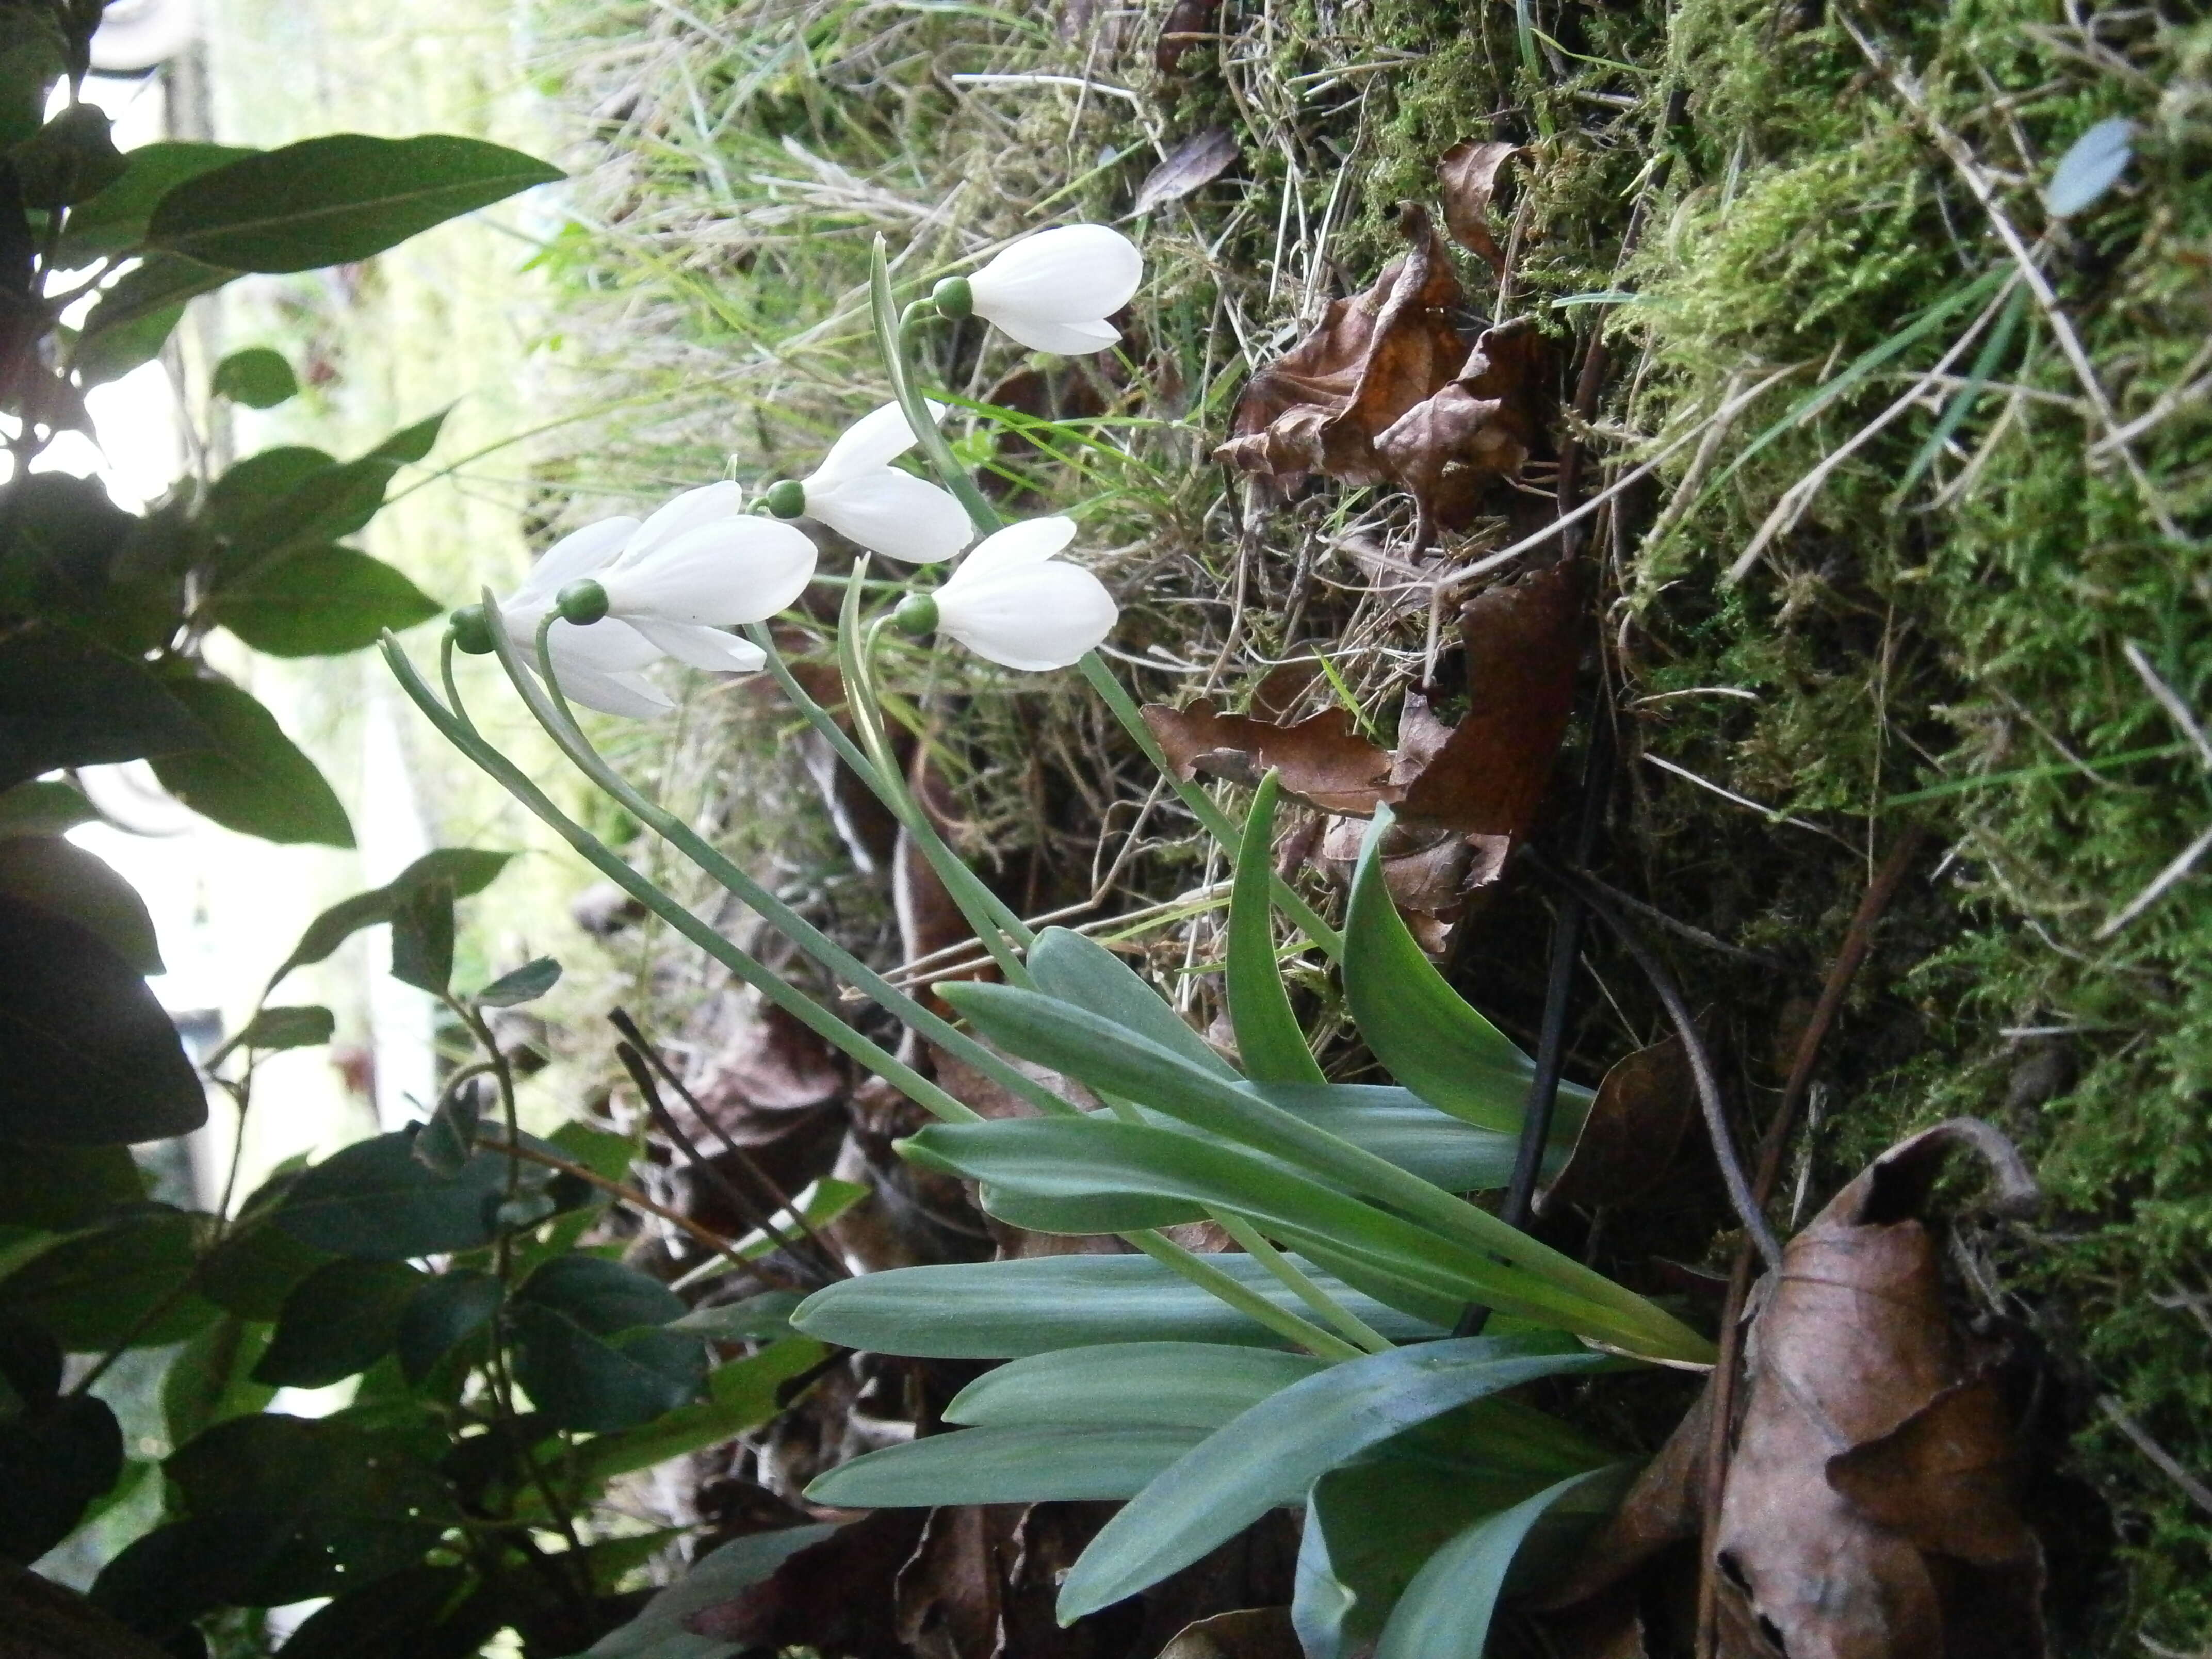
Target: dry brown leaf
(1482,425)
(1467,178)
(1199,159)
(1523,640)
(1630,1135)
(1869,1510)
(1324,761)
(1320,407)
(1252,1633)
(1429,874)
(1187,24)
(947,1594)
(771,1064)
(835,1596)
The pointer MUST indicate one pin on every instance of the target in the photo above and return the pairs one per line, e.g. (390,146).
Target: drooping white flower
(858,493)
(1053,290)
(630,594)
(1014,601)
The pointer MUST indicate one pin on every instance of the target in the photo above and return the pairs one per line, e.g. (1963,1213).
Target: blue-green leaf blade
(1268,1040)
(1005,1465)
(1130,1385)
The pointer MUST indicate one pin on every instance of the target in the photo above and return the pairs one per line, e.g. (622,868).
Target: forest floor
(1921,550)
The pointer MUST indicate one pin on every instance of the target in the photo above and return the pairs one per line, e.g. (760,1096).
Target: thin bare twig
(2197,1492)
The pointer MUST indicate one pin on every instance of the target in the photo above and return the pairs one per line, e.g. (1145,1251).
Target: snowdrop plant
(858,493)
(1014,601)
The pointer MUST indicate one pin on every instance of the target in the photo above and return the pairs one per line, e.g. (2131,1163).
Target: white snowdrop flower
(1053,290)
(628,594)
(858,493)
(1014,601)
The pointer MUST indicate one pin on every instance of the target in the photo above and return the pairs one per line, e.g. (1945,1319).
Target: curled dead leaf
(835,1595)
(1631,1132)
(1251,1633)
(1324,761)
(1320,407)
(1431,874)
(1483,424)
(1199,159)
(1467,179)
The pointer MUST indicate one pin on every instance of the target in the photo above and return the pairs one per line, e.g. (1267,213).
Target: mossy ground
(1949,651)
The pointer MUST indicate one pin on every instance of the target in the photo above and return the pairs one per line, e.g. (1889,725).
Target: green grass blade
(1268,1039)
(1964,399)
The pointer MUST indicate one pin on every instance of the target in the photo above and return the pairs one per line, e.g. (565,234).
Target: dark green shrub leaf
(333,200)
(113,351)
(257,377)
(464,869)
(271,1031)
(70,159)
(44,809)
(375,1201)
(88,1057)
(252,778)
(740,1397)
(64,538)
(422,936)
(410,443)
(320,602)
(161,283)
(339,1320)
(114,221)
(422,1612)
(526,984)
(211,1379)
(56,1458)
(448,1310)
(66,701)
(251,486)
(588,1349)
(127,1283)
(448,1140)
(60,877)
(660,1631)
(254,1269)
(278,1509)
(56,1189)
(34,55)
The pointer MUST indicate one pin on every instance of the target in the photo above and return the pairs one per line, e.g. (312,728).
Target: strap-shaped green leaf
(1129,1385)
(1084,973)
(1003,1310)
(1273,1454)
(1268,1040)
(1445,1612)
(1415,1024)
(1118,1062)
(1005,1465)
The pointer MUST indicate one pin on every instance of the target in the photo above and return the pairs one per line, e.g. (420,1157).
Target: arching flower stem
(553,715)
(891,329)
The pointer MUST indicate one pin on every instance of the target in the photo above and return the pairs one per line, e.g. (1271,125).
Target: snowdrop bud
(954,297)
(1015,602)
(472,630)
(582,603)
(858,493)
(916,615)
(1052,291)
(786,499)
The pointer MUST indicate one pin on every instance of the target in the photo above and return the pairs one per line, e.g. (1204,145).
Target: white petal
(631,695)
(739,570)
(1076,273)
(704,647)
(608,646)
(717,503)
(1043,617)
(877,439)
(1049,334)
(894,513)
(1030,541)
(574,557)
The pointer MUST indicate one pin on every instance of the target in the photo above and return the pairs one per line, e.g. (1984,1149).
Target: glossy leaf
(66,701)
(320,602)
(271,1031)
(421,1611)
(44,809)
(1421,1029)
(1445,1613)
(88,1057)
(62,878)
(1273,1454)
(56,1457)
(1005,1465)
(334,200)
(107,354)
(1268,1038)
(60,1188)
(158,286)
(251,778)
(70,159)
(422,936)
(337,1321)
(1131,1385)
(129,1283)
(526,984)
(374,1202)
(254,482)
(741,1395)
(443,1313)
(466,870)
(257,377)
(211,1379)
(588,1349)
(760,1318)
(114,221)
(999,1309)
